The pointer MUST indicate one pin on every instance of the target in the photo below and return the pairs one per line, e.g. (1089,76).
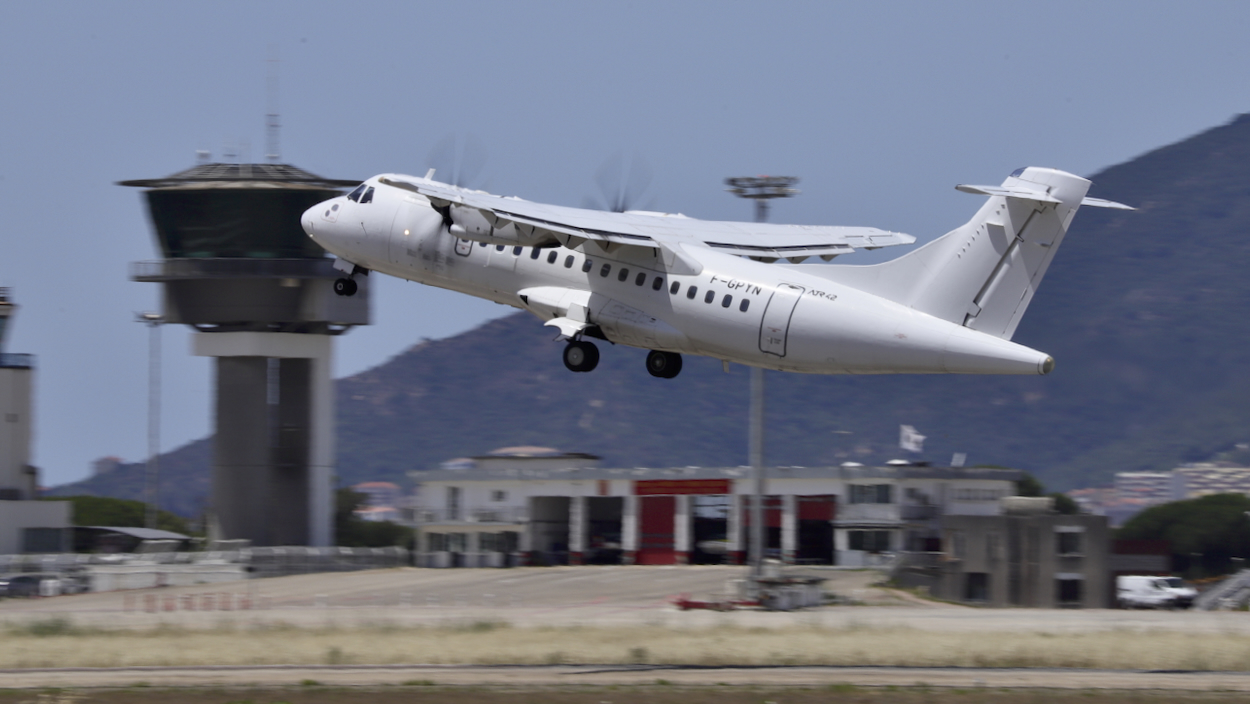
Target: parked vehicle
(1153,592)
(19,585)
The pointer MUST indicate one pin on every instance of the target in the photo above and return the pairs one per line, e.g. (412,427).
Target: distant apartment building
(1203,479)
(1134,492)
(530,505)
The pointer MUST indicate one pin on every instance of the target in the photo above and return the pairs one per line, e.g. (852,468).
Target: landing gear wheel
(664,365)
(581,356)
(345,287)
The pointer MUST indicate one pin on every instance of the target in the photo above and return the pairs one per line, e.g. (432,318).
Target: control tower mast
(239,269)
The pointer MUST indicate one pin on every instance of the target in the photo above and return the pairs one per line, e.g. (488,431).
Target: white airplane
(676,285)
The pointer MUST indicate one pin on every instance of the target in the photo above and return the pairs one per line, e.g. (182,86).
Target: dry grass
(58,643)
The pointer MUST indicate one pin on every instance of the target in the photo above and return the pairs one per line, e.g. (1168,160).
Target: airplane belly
(627,325)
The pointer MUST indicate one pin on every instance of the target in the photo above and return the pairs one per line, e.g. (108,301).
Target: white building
(26,524)
(541,506)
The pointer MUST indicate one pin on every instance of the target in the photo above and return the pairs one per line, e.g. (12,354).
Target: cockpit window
(368,196)
(355,195)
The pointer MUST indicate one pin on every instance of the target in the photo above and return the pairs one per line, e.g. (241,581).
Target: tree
(354,532)
(106,511)
(1205,534)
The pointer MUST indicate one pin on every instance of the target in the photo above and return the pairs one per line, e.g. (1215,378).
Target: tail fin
(983,274)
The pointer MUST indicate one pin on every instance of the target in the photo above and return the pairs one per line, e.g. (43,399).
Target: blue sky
(880,108)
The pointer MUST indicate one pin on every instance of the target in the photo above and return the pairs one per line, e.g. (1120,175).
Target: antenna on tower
(272,150)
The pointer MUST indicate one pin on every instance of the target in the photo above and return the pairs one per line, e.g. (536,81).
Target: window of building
(498,495)
(457,542)
(568,262)
(976,586)
(603,271)
(1068,590)
(746,303)
(640,279)
(869,540)
(724,303)
(43,540)
(709,297)
(872,493)
(658,283)
(436,542)
(587,265)
(674,288)
(553,255)
(958,545)
(692,292)
(453,503)
(623,274)
(1068,542)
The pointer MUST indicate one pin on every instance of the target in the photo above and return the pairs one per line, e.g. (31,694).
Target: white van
(1153,592)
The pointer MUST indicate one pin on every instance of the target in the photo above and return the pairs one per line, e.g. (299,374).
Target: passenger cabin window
(692,292)
(674,288)
(641,278)
(587,265)
(536,253)
(516,251)
(553,255)
(746,303)
(355,195)
(568,262)
(498,248)
(368,196)
(605,269)
(709,297)
(623,274)
(658,283)
(726,301)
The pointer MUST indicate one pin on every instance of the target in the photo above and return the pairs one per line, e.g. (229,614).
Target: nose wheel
(345,287)
(664,365)
(581,356)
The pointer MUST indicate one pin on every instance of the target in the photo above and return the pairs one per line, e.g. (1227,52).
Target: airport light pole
(151,474)
(760,189)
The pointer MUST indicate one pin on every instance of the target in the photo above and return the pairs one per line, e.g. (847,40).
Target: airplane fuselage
(704,302)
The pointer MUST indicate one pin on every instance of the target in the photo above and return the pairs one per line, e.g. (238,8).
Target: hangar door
(656,542)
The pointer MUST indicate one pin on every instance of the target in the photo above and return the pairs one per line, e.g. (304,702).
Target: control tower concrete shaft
(239,269)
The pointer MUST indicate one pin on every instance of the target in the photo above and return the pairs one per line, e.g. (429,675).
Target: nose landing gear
(345,286)
(581,356)
(664,365)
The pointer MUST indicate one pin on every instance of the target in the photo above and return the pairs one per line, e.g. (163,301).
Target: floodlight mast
(760,189)
(151,474)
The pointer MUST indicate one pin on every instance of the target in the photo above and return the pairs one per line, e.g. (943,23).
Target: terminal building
(529,505)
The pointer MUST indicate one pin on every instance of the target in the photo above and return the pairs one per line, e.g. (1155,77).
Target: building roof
(643,473)
(140,533)
(236,173)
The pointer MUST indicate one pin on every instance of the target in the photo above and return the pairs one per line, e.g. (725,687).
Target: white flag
(909,439)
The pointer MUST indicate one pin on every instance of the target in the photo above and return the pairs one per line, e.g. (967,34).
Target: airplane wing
(571,226)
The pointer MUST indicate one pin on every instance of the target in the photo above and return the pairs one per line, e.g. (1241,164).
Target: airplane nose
(307,219)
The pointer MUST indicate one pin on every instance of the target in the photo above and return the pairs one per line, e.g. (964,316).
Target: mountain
(1143,312)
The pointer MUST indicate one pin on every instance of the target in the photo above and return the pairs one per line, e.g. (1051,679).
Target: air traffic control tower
(239,269)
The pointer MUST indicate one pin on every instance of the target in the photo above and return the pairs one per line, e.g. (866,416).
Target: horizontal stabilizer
(1009,192)
(1100,203)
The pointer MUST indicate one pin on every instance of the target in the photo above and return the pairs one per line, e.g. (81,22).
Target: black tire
(344,287)
(581,356)
(664,365)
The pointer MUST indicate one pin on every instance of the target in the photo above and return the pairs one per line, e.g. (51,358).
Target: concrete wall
(15,432)
(18,515)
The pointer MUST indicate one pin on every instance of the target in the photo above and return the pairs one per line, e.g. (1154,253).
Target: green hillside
(1144,312)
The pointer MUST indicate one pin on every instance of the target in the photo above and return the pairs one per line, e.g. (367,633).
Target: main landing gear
(581,356)
(345,286)
(664,365)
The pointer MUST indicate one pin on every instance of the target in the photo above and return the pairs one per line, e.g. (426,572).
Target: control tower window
(355,195)
(368,196)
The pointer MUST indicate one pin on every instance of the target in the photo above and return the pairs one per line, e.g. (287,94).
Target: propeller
(458,161)
(622,182)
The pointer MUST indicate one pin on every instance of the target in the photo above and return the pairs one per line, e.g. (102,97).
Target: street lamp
(151,478)
(760,189)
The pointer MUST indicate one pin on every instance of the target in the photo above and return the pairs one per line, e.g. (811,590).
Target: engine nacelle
(472,224)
